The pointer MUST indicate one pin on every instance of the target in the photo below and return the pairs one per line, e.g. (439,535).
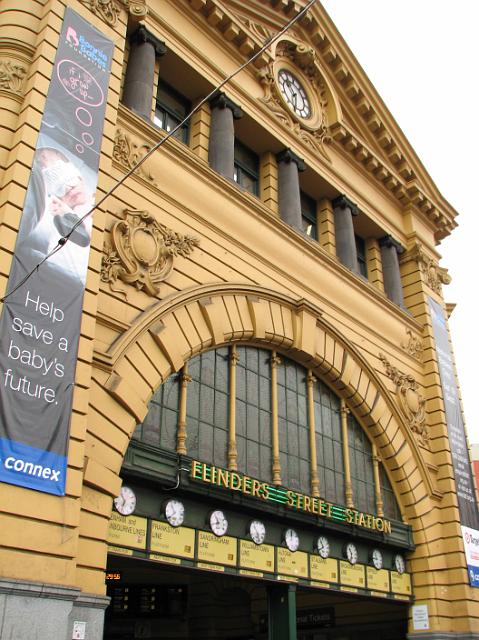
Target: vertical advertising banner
(40,322)
(466,495)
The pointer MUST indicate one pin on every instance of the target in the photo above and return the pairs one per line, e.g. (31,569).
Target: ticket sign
(260,558)
(292,564)
(352,574)
(127,531)
(323,569)
(377,580)
(217,550)
(401,583)
(174,541)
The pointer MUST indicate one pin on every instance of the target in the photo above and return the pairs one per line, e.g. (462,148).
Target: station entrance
(157,601)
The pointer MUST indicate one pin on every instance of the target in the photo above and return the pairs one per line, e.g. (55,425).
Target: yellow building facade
(258,382)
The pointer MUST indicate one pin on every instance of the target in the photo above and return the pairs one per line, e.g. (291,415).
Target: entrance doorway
(162,602)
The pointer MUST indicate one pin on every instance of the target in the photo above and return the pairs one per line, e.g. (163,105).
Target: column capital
(142,35)
(343,202)
(388,241)
(287,155)
(221,101)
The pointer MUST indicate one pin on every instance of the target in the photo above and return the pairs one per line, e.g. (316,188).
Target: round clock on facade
(125,503)
(257,531)
(322,545)
(218,523)
(377,559)
(175,512)
(291,539)
(399,564)
(351,552)
(294,94)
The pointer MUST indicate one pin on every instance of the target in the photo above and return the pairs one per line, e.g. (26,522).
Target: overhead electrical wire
(64,239)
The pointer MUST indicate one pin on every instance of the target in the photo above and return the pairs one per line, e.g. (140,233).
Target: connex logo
(38,470)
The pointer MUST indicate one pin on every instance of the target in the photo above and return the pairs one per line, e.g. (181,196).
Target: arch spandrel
(162,335)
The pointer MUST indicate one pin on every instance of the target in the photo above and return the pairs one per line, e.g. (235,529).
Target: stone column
(222,134)
(289,166)
(390,249)
(344,210)
(140,71)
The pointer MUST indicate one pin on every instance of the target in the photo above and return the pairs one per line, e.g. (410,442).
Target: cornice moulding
(414,181)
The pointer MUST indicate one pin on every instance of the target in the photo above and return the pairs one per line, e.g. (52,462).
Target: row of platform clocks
(174,512)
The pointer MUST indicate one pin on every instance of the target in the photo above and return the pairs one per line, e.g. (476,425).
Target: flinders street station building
(229,407)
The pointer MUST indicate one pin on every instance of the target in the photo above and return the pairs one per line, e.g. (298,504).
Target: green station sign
(246,485)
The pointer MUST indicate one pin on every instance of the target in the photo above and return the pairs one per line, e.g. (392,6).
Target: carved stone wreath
(304,57)
(411,402)
(140,252)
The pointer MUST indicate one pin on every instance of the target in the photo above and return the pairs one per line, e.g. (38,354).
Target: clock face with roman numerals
(294,94)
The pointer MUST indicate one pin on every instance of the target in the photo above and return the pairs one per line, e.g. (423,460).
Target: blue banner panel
(466,494)
(40,322)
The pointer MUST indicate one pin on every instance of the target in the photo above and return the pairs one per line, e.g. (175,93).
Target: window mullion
(311,380)
(181,430)
(348,487)
(377,482)
(232,447)
(276,466)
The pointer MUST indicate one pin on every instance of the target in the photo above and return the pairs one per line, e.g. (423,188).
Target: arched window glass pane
(390,505)
(328,443)
(207,407)
(293,426)
(361,461)
(159,426)
(253,412)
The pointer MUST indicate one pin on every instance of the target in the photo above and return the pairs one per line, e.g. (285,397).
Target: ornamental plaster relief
(411,402)
(434,275)
(12,76)
(128,153)
(140,252)
(110,10)
(413,346)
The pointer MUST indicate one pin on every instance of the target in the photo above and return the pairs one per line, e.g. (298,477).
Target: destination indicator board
(257,557)
(323,569)
(292,564)
(174,541)
(377,580)
(127,531)
(401,583)
(352,574)
(217,550)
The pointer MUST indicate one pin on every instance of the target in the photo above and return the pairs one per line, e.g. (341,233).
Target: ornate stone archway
(168,334)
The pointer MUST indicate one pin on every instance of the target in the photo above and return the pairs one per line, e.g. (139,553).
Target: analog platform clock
(257,531)
(291,539)
(399,564)
(294,94)
(322,545)
(174,512)
(218,522)
(351,553)
(125,503)
(377,559)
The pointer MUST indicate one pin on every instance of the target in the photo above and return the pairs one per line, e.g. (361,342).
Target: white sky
(422,58)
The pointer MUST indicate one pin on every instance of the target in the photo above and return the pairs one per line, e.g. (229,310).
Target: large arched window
(264,415)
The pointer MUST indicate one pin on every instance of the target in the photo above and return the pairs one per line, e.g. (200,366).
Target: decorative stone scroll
(413,346)
(140,252)
(304,57)
(411,402)
(128,153)
(137,8)
(108,10)
(434,275)
(11,76)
